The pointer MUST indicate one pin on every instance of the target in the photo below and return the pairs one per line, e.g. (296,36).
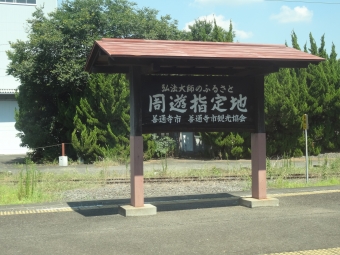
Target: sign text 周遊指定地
(183,103)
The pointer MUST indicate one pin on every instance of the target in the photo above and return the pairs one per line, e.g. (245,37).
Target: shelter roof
(111,55)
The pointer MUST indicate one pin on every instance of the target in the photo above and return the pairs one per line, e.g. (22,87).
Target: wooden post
(258,145)
(136,139)
(63,149)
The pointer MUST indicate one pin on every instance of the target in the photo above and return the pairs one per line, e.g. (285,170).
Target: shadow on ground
(173,203)
(12,159)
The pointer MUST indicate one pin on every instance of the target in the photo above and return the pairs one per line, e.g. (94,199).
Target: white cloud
(240,34)
(288,15)
(222,22)
(225,2)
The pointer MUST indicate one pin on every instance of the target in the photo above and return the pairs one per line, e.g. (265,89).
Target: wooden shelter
(224,82)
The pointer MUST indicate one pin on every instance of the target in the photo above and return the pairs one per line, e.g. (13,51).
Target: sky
(260,21)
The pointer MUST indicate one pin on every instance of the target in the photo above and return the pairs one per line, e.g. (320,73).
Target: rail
(180,179)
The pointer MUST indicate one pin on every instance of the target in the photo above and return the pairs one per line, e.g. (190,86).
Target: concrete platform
(253,202)
(306,222)
(129,210)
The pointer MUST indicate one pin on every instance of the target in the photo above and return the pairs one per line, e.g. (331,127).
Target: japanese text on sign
(196,103)
(192,103)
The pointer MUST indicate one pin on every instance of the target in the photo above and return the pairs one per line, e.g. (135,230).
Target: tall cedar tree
(102,117)
(290,93)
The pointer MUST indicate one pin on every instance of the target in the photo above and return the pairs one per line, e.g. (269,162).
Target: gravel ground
(117,191)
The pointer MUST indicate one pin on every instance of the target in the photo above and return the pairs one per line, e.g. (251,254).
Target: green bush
(298,153)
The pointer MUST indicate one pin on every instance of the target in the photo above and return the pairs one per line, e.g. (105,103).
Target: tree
(102,118)
(323,81)
(285,99)
(204,30)
(224,144)
(50,66)
(286,93)
(60,102)
(290,93)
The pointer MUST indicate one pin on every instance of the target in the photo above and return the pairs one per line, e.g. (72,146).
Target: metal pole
(62,149)
(306,155)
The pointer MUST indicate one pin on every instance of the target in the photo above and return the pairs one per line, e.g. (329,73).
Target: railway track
(179,179)
(210,178)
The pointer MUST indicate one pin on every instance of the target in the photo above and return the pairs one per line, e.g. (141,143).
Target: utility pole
(305,127)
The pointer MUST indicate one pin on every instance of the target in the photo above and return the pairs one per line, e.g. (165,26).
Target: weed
(164,147)
(28,178)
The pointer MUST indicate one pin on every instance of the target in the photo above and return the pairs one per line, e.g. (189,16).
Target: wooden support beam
(258,165)
(258,145)
(224,63)
(156,69)
(136,139)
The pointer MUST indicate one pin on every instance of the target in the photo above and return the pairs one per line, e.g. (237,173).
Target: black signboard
(195,103)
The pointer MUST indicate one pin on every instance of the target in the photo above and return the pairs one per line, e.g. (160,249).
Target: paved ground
(307,219)
(306,222)
(11,159)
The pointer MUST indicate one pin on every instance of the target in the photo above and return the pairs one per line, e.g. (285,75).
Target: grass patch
(284,184)
(33,186)
(326,172)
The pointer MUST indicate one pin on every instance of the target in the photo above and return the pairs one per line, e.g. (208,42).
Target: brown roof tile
(180,49)
(134,49)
